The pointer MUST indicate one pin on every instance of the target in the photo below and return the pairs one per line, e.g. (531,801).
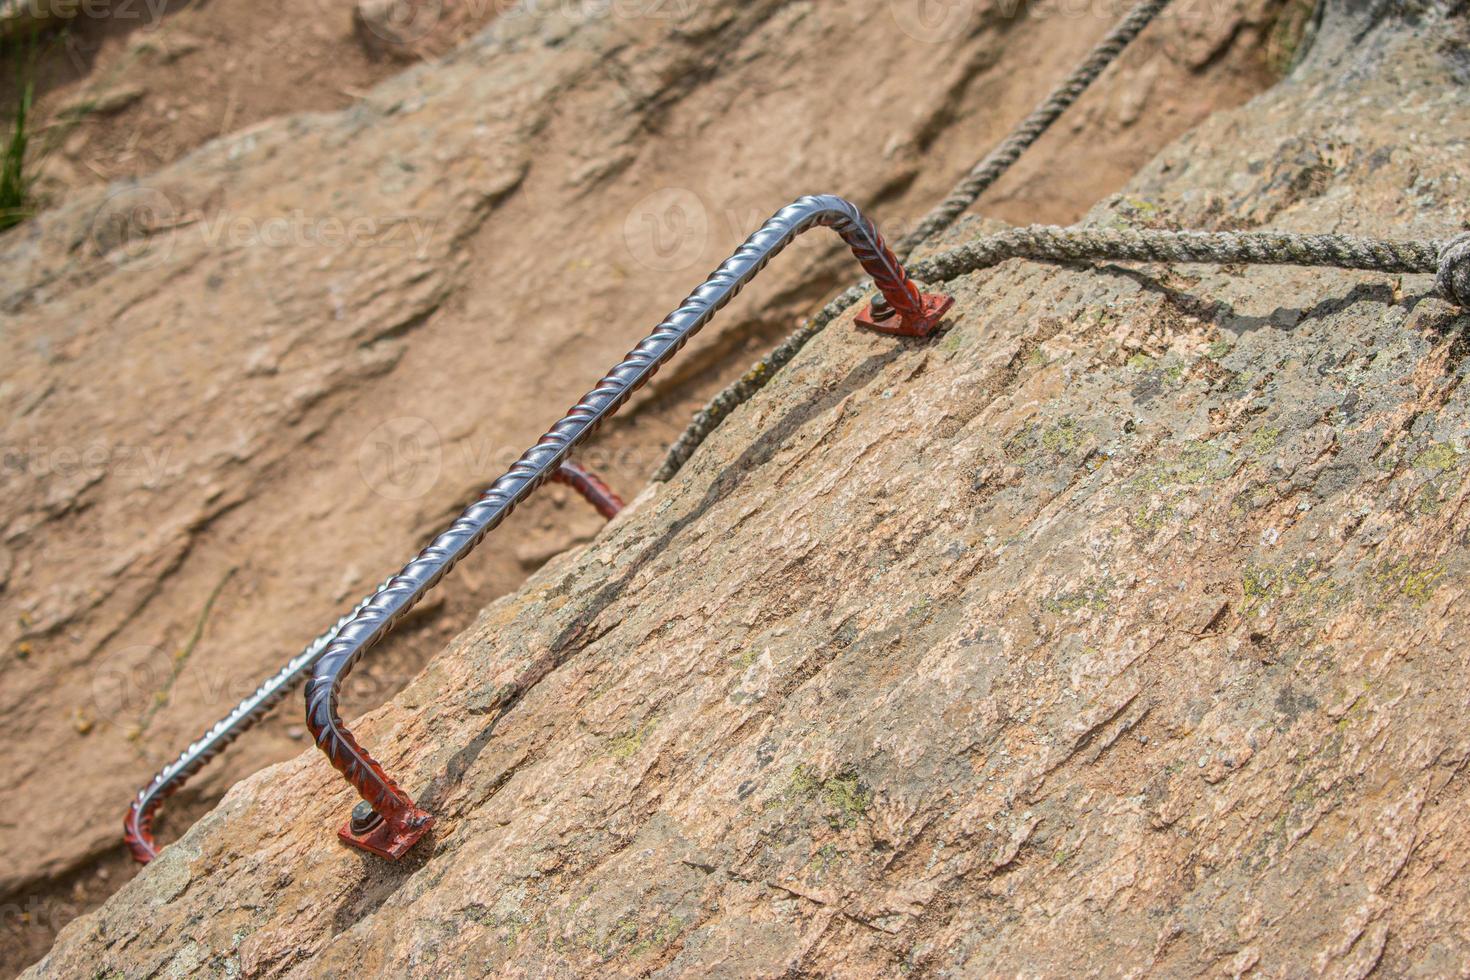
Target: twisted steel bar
(138,824)
(396,823)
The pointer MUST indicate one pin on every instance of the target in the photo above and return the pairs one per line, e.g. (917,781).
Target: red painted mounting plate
(932,308)
(384,840)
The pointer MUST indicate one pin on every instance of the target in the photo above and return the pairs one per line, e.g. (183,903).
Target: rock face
(236,394)
(1117,629)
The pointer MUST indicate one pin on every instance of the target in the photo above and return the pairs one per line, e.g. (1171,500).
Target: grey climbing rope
(984,173)
(1448,259)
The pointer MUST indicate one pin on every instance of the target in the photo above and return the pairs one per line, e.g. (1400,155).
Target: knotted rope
(1452,277)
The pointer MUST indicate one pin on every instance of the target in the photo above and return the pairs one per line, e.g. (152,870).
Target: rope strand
(1029,130)
(1448,260)
(1051,243)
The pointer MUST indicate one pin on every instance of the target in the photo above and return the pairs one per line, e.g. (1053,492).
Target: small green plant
(14,180)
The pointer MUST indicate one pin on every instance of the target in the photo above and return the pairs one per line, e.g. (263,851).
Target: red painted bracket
(882,317)
(387,838)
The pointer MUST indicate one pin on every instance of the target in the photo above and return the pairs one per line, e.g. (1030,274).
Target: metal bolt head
(365,818)
(881,309)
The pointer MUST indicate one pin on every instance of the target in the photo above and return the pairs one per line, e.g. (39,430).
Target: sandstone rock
(1117,629)
(283,360)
